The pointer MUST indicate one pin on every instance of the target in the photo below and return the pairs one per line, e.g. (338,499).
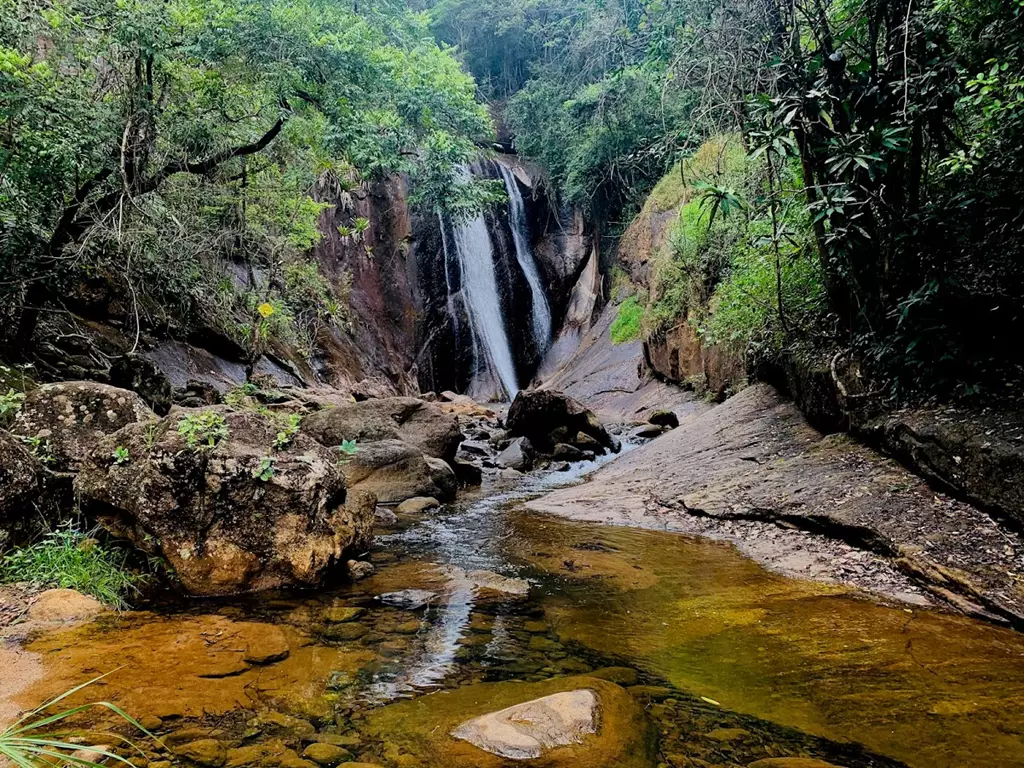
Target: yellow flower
(265,309)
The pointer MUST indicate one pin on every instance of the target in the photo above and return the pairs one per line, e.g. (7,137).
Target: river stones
(524,731)
(648,431)
(343,614)
(518,456)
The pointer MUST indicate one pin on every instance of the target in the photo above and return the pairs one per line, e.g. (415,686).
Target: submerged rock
(565,722)
(524,731)
(225,520)
(359,569)
(411,599)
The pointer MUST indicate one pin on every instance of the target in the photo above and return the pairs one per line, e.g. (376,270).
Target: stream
(728,663)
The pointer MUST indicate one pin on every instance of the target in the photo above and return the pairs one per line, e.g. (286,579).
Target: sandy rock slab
(524,731)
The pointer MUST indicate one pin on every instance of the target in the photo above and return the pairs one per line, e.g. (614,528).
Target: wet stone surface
(698,658)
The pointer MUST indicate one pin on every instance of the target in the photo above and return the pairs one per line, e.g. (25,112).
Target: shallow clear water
(729,663)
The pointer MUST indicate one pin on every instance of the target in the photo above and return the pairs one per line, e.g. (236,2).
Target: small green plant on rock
(120,455)
(71,558)
(10,404)
(287,434)
(347,450)
(202,431)
(265,471)
(40,448)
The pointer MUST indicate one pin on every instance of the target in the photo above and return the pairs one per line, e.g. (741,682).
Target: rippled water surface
(728,663)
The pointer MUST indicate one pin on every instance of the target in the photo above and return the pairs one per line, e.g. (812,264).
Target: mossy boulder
(241,515)
(69,418)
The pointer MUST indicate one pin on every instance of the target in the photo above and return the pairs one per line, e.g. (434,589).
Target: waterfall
(483,303)
(541,309)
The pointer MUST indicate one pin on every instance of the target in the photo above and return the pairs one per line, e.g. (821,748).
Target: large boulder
(19,476)
(238,516)
(421,424)
(536,413)
(395,471)
(67,419)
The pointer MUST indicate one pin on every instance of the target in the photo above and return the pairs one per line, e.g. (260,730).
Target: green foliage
(40,448)
(73,559)
(287,433)
(148,143)
(347,450)
(628,320)
(10,404)
(120,455)
(711,223)
(202,431)
(265,471)
(30,742)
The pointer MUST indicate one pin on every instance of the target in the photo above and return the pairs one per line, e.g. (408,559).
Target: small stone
(417,504)
(410,627)
(63,606)
(278,722)
(664,418)
(326,754)
(498,583)
(359,569)
(648,431)
(206,752)
(160,764)
(343,614)
(345,632)
(384,517)
(290,759)
(92,754)
(151,722)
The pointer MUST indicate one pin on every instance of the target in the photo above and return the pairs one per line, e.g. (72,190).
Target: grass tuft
(72,559)
(628,320)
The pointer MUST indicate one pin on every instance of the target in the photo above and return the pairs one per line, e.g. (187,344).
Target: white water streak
(524,255)
(483,302)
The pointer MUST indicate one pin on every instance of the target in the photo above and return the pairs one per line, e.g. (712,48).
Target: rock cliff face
(409,328)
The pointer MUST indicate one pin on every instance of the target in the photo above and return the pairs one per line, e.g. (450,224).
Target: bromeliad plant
(32,742)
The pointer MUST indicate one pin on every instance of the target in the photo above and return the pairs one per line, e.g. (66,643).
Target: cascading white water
(524,255)
(483,303)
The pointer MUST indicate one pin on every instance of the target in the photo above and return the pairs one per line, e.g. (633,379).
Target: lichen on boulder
(68,418)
